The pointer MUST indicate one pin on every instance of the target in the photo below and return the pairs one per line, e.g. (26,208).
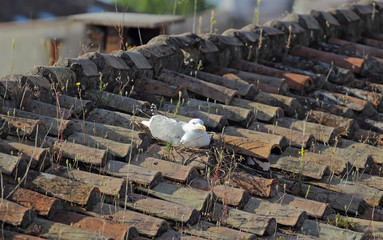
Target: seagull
(191,134)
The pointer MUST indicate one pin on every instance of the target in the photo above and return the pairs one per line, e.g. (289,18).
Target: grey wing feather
(166,129)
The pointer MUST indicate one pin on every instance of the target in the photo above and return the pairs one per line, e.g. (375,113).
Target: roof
(21,10)
(127,19)
(295,122)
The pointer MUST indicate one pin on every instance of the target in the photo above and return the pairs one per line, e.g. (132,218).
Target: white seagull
(191,134)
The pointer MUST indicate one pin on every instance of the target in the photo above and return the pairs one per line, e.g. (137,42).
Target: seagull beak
(202,127)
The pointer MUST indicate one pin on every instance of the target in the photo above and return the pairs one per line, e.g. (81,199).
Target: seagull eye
(194,123)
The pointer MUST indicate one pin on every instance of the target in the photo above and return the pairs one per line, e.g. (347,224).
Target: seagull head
(195,124)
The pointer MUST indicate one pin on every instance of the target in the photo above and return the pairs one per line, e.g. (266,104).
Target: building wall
(304,6)
(32,43)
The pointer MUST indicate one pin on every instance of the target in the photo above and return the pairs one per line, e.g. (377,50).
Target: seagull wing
(166,129)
